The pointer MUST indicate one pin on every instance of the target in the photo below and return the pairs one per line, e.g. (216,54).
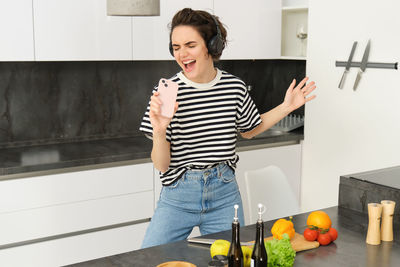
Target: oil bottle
(235,254)
(259,257)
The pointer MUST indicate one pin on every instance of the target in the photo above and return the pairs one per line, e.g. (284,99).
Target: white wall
(346,131)
(295,2)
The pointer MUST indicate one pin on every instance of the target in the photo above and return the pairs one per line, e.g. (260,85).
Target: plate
(176,264)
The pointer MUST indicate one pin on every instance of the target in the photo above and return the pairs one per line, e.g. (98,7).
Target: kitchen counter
(24,161)
(358,189)
(349,249)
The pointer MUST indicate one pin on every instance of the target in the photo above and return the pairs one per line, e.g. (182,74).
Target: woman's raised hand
(158,122)
(297,96)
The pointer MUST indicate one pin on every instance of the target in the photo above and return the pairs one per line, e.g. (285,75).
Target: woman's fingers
(292,85)
(155,108)
(302,83)
(155,104)
(308,85)
(310,98)
(176,107)
(309,88)
(154,98)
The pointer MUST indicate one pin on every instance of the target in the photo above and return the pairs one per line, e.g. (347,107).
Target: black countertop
(25,160)
(350,249)
(388,177)
(357,190)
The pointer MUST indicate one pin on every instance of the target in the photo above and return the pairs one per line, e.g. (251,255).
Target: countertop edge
(115,158)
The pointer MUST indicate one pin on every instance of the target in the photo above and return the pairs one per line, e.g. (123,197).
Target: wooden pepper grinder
(374,231)
(387,220)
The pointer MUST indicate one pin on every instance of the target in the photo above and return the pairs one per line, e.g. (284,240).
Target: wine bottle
(235,254)
(259,257)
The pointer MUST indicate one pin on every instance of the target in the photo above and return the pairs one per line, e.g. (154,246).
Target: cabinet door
(254,28)
(16,30)
(80,30)
(151,34)
(287,158)
(74,249)
(47,206)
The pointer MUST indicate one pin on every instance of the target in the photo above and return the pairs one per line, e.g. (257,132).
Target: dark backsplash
(52,102)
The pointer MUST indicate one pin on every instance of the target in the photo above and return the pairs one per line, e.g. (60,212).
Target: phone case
(168,91)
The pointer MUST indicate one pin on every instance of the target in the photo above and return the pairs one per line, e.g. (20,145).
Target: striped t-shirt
(203,131)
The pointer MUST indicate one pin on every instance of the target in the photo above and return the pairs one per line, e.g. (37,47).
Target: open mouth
(189,65)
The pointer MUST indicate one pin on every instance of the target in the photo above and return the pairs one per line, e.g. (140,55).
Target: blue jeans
(203,198)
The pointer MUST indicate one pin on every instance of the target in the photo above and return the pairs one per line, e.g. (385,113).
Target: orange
(320,219)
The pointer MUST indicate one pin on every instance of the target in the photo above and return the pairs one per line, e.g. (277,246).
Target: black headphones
(215,45)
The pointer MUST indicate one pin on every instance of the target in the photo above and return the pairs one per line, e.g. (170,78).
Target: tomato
(324,238)
(310,234)
(333,233)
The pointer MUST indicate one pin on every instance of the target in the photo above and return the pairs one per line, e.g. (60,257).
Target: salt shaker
(374,231)
(387,220)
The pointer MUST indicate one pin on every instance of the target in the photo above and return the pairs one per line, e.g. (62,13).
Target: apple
(247,251)
(220,247)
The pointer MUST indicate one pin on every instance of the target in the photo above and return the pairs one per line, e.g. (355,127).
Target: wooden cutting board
(299,243)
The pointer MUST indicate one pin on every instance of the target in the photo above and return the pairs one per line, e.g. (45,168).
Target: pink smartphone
(168,91)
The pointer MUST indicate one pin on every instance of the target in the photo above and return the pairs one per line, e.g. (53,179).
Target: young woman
(195,150)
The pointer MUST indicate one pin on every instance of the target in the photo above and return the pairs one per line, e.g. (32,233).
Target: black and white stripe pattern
(203,131)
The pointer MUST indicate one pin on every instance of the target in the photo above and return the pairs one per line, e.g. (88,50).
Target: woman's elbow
(246,135)
(160,167)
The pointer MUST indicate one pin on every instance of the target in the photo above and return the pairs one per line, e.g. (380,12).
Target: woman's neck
(207,76)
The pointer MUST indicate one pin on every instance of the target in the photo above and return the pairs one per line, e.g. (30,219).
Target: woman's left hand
(297,96)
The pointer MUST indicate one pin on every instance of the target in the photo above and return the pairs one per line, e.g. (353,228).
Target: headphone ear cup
(211,45)
(171,50)
(215,45)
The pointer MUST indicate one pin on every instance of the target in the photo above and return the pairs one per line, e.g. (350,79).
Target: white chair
(269,186)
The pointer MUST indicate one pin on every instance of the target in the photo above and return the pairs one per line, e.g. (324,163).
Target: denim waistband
(209,171)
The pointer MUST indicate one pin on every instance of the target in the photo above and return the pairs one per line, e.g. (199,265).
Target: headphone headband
(215,45)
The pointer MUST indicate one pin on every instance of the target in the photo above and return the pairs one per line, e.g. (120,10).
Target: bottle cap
(261,210)
(236,218)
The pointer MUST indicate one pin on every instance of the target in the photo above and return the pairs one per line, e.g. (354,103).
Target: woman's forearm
(268,119)
(295,97)
(160,153)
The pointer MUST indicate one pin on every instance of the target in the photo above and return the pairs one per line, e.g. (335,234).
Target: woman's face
(191,54)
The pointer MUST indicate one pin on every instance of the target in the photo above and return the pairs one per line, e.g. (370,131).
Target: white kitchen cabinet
(294,29)
(80,30)
(151,34)
(287,158)
(70,211)
(74,249)
(16,30)
(254,28)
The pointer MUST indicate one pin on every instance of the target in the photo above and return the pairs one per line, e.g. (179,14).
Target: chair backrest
(270,187)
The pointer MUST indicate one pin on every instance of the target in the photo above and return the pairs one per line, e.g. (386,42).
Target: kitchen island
(350,249)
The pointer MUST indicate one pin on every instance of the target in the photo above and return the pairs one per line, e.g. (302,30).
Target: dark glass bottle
(259,257)
(235,254)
